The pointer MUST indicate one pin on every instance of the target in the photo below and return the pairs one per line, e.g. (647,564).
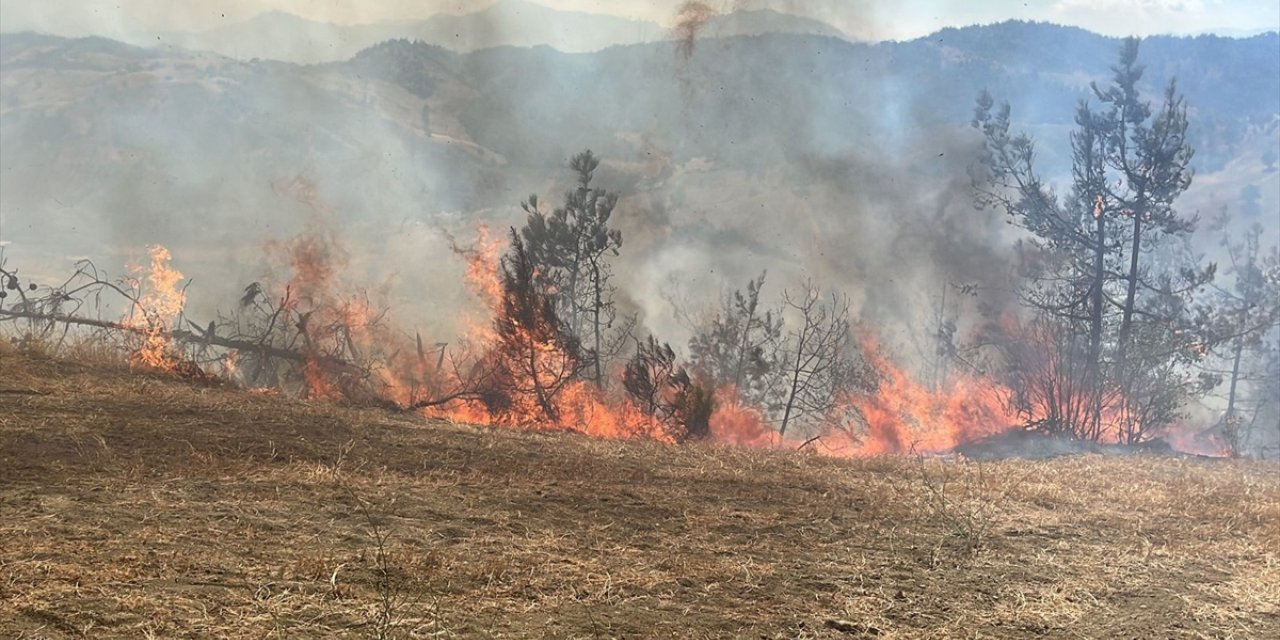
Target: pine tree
(570,247)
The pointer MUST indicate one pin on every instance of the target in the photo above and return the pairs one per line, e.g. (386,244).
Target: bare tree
(817,357)
(1246,312)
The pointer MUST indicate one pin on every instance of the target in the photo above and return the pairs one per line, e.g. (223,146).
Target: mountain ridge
(280,35)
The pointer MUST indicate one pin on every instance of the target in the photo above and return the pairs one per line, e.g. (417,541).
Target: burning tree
(569,249)
(148,304)
(536,355)
(305,336)
(325,348)
(778,369)
(652,378)
(1105,265)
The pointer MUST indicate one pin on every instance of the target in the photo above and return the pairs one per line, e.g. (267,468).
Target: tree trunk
(544,401)
(188,337)
(1129,431)
(795,384)
(599,302)
(1232,427)
(935,382)
(1094,373)
(742,349)
(1126,319)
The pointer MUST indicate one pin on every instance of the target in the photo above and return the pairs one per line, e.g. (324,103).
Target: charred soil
(141,506)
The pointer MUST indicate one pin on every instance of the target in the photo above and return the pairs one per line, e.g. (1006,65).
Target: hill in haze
(283,36)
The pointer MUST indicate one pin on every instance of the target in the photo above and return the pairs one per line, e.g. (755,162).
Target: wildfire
(899,416)
(738,423)
(338,330)
(1208,442)
(480,380)
(585,409)
(347,342)
(481,259)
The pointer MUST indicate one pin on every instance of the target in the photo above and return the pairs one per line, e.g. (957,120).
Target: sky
(864,19)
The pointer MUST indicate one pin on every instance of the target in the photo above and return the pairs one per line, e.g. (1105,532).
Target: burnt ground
(140,506)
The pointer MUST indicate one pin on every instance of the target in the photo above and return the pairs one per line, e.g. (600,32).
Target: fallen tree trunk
(185,336)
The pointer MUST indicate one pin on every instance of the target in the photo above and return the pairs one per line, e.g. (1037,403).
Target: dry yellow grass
(139,506)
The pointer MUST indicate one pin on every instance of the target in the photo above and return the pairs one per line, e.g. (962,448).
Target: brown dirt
(139,506)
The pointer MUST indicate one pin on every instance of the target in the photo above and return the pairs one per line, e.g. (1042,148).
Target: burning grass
(137,505)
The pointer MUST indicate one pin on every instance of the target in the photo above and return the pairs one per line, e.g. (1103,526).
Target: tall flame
(158,307)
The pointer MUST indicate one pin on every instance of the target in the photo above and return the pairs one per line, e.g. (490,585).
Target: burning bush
(664,392)
(535,355)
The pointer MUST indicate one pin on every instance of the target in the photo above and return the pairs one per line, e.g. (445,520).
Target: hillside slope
(138,505)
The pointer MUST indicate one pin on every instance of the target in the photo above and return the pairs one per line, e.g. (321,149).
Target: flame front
(897,415)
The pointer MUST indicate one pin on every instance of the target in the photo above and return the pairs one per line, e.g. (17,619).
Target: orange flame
(336,330)
(155,313)
(903,416)
(899,416)
(735,422)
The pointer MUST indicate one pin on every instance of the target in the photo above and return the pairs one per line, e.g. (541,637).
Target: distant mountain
(282,36)
(525,24)
(1230,32)
(772,90)
(277,35)
(38,51)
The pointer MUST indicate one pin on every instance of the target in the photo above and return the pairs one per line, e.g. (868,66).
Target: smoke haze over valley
(741,139)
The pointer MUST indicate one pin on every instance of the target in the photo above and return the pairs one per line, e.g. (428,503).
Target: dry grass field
(138,506)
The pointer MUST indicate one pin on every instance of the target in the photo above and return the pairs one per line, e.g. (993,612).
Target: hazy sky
(869,19)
